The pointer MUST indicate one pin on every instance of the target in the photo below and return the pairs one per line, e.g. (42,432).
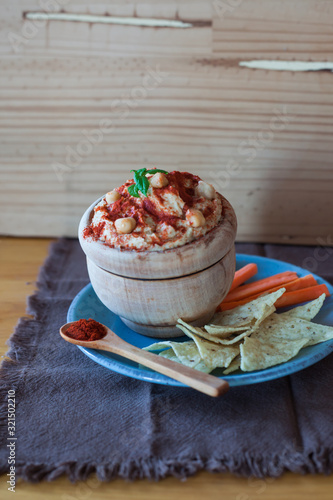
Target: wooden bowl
(151,290)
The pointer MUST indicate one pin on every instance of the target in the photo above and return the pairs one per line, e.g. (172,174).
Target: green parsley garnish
(141,181)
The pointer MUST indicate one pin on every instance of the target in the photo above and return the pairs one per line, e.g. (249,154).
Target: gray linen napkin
(76,417)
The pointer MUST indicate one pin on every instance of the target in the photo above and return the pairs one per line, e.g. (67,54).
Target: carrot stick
(298,284)
(260,286)
(304,282)
(287,299)
(244,274)
(292,298)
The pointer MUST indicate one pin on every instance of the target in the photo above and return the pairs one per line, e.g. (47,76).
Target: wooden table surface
(19,264)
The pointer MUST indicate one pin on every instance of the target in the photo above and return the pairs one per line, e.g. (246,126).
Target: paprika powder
(86,330)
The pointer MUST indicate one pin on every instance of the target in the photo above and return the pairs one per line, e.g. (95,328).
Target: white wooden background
(204,110)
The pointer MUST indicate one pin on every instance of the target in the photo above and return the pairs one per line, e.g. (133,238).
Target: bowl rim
(186,259)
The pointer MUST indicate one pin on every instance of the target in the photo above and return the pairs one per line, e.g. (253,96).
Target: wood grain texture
(172,98)
(165,300)
(19,263)
(59,38)
(16,271)
(202,382)
(291,486)
(287,29)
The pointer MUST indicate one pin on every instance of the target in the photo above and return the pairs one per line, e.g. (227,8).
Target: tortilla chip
(158,345)
(279,338)
(169,354)
(279,327)
(248,316)
(194,329)
(267,338)
(258,353)
(307,311)
(183,350)
(226,331)
(213,338)
(256,312)
(185,353)
(318,333)
(234,365)
(224,341)
(212,354)
(201,366)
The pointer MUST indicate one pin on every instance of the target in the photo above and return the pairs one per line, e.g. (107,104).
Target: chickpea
(159,180)
(125,225)
(206,190)
(112,196)
(195,217)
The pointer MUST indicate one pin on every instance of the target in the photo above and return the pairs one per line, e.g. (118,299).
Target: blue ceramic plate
(87,305)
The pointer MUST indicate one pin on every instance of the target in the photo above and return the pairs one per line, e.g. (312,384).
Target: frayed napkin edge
(318,461)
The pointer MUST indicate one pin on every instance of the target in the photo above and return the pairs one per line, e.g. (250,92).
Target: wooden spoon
(203,382)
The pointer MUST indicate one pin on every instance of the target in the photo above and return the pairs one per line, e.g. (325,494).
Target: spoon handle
(203,382)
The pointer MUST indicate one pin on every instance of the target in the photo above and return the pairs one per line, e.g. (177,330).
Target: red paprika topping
(94,232)
(87,330)
(177,182)
(158,212)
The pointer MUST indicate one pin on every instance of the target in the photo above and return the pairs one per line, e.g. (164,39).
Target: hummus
(166,217)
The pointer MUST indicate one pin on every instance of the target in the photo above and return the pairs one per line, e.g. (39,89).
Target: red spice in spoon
(87,330)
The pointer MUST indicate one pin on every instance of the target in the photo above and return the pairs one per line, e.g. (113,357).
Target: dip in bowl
(160,247)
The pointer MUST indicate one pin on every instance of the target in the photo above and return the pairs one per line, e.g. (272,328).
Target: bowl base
(165,332)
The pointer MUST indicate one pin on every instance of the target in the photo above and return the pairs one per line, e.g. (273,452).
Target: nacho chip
(256,312)
(169,354)
(213,338)
(226,332)
(234,365)
(194,329)
(307,311)
(258,353)
(248,316)
(213,354)
(201,366)
(183,350)
(279,338)
(249,337)
(279,327)
(185,353)
(216,339)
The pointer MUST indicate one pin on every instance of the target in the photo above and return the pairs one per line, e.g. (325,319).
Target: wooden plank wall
(83,103)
